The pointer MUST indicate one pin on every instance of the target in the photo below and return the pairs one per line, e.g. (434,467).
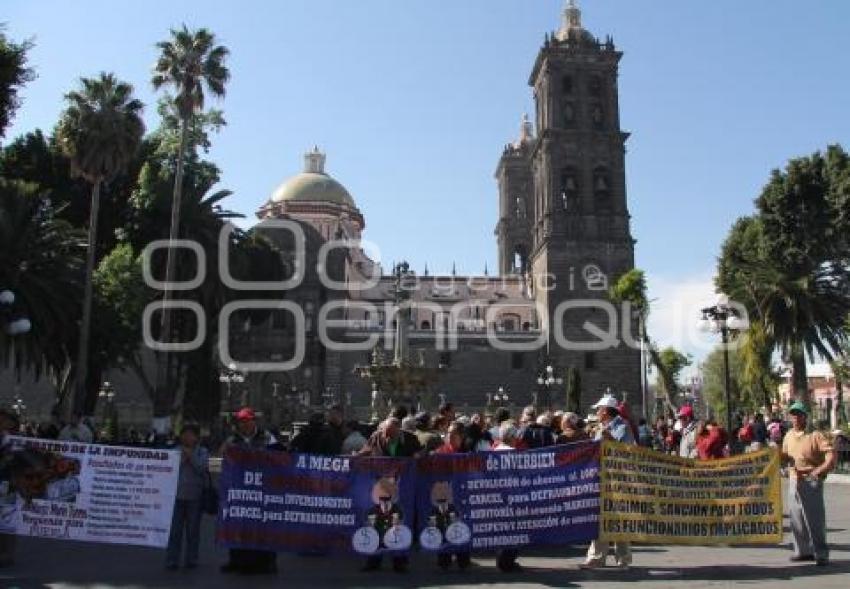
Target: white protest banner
(89,492)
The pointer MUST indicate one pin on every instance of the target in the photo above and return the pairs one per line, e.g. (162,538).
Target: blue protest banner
(302,503)
(495,500)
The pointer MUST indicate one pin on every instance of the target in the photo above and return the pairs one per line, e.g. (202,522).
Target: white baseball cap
(607,401)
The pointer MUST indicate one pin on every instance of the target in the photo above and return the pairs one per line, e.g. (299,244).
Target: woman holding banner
(186,518)
(611,427)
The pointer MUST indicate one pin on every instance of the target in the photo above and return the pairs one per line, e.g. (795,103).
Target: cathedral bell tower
(577,230)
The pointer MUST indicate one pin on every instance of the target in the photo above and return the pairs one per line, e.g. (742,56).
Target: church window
(597,116)
(569,114)
(595,86)
(569,190)
(567,84)
(602,189)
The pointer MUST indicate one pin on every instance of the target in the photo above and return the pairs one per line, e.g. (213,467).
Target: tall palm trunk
(164,394)
(799,377)
(79,396)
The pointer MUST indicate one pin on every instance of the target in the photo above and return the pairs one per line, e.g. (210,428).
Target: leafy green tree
(120,299)
(189,62)
(788,263)
(671,363)
(99,132)
(631,288)
(14,73)
(41,260)
(714,386)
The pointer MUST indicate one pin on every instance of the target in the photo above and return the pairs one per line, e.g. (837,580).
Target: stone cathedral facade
(563,236)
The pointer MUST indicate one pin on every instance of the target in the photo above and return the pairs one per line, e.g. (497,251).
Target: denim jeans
(186,519)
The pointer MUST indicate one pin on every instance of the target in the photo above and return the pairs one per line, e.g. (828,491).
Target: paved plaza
(66,565)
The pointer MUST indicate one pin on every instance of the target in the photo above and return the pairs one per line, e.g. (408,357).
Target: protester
(454,439)
(571,430)
(9,424)
(812,457)
(336,435)
(502,415)
(644,434)
(390,440)
(354,440)
(711,441)
(534,434)
(612,427)
(250,436)
(186,517)
(688,433)
(428,437)
(507,437)
(77,431)
(316,438)
(447,412)
(476,439)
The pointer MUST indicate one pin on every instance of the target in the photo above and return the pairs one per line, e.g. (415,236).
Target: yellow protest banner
(656,498)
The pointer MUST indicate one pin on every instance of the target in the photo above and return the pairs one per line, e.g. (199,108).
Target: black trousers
(253,561)
(375,561)
(444,559)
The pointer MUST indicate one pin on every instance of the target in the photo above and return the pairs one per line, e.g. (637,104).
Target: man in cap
(812,456)
(688,441)
(611,427)
(249,435)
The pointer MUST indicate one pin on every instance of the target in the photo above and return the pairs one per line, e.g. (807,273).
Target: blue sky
(413,101)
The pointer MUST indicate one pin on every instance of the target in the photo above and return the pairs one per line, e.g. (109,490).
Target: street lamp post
(228,376)
(547,380)
(501,398)
(722,318)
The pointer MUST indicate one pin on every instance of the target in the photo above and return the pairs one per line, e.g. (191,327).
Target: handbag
(209,497)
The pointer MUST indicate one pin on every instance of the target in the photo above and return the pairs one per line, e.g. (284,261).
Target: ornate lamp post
(723,319)
(19,407)
(228,376)
(546,380)
(501,398)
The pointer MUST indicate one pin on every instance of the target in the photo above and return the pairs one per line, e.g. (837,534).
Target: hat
(799,407)
(686,411)
(607,401)
(245,414)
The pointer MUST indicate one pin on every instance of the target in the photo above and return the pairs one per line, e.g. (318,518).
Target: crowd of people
(809,455)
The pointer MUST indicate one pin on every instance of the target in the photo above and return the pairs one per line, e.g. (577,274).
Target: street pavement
(72,565)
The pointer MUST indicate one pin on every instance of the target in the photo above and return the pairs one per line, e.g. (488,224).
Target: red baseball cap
(245,414)
(686,411)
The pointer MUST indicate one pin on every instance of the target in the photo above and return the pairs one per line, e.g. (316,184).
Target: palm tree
(804,315)
(41,257)
(189,62)
(99,132)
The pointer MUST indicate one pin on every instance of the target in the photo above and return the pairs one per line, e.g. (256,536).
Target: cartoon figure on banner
(384,521)
(445,523)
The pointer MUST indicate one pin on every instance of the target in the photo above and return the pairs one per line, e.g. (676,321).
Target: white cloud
(675,311)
